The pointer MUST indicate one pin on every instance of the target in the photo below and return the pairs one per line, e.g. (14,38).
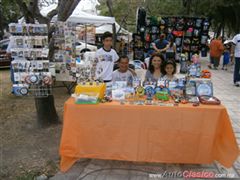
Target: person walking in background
(236,52)
(226,55)
(216,50)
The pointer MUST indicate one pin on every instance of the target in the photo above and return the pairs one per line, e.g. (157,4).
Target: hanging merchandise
(141,19)
(206,25)
(189,32)
(30,62)
(196,32)
(154,30)
(198,23)
(65,63)
(204,39)
(178,41)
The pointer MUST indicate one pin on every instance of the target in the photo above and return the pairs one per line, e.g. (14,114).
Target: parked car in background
(5,58)
(82,47)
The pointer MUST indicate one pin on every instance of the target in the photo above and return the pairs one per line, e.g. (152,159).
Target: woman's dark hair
(150,67)
(107,34)
(167,63)
(123,57)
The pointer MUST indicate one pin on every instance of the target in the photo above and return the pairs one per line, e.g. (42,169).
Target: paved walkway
(90,169)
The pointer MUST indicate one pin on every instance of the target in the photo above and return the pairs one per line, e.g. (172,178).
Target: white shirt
(119,76)
(106,60)
(236,41)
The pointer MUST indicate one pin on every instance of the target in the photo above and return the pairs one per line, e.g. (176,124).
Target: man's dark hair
(123,57)
(107,34)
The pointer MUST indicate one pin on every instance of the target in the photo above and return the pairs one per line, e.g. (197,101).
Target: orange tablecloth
(183,134)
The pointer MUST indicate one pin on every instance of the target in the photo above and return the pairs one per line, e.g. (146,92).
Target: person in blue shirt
(226,57)
(161,45)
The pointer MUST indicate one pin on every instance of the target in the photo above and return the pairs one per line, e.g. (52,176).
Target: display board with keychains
(30,64)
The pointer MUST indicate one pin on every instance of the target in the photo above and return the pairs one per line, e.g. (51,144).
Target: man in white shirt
(106,57)
(124,73)
(236,51)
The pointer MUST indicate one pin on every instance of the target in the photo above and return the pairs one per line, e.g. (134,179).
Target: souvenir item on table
(190,88)
(86,98)
(162,95)
(172,84)
(140,91)
(209,100)
(206,74)
(95,87)
(193,99)
(195,70)
(184,101)
(181,83)
(183,64)
(118,94)
(129,92)
(161,83)
(149,82)
(204,88)
(136,82)
(149,91)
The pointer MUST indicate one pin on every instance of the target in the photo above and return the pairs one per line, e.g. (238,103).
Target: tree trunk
(110,8)
(1,22)
(46,111)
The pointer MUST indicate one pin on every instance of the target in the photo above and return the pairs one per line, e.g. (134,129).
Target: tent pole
(85,36)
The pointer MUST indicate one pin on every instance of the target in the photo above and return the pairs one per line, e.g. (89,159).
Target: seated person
(154,68)
(124,73)
(169,69)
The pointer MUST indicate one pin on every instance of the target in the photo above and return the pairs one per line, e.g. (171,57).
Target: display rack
(30,64)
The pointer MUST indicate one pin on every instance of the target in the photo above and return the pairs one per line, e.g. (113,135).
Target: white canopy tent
(80,17)
(107,27)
